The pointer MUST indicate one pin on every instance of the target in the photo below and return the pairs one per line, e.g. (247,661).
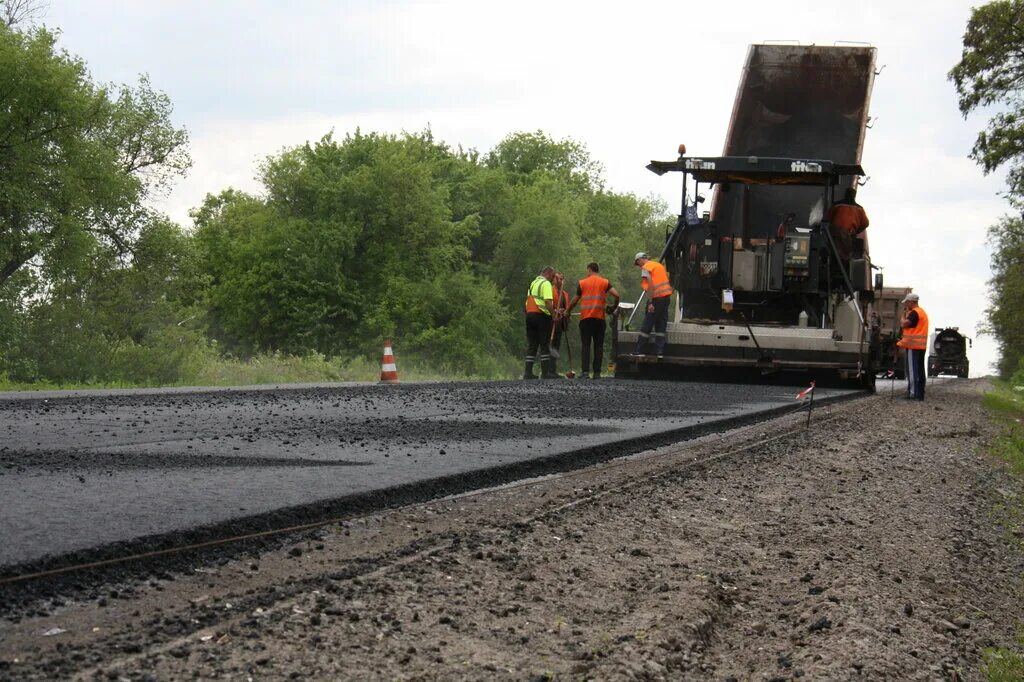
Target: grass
(280,369)
(1003,665)
(275,368)
(1005,403)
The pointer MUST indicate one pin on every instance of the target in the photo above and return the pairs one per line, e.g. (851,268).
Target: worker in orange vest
(848,220)
(560,320)
(915,342)
(592,294)
(539,307)
(654,281)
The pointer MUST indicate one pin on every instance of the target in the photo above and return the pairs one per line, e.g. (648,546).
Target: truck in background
(948,353)
(888,311)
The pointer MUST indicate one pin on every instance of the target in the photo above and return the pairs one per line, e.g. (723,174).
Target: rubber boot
(528,371)
(551,370)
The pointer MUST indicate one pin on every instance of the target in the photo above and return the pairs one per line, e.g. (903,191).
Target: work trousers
(592,332)
(915,373)
(655,326)
(538,336)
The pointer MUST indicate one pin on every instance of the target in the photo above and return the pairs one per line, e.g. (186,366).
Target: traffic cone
(388,370)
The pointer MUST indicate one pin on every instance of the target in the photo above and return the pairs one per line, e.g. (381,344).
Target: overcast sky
(630,80)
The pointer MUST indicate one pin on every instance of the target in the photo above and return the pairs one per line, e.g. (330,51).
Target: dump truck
(763,282)
(888,313)
(948,353)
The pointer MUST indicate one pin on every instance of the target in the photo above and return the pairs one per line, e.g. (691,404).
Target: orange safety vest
(593,297)
(535,298)
(659,286)
(561,299)
(916,338)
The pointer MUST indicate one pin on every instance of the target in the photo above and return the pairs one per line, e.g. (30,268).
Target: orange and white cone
(388,369)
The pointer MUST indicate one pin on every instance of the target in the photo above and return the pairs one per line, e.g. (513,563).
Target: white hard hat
(639,255)
(912,297)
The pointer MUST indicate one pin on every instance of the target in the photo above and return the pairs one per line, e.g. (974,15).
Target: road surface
(88,476)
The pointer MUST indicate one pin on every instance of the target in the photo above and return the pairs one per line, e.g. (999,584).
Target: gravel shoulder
(869,546)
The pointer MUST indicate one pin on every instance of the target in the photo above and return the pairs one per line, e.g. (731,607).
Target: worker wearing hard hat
(915,342)
(654,280)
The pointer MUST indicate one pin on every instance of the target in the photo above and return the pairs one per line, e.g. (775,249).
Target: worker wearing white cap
(915,342)
(655,282)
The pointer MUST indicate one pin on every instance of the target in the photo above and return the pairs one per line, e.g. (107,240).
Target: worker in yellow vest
(654,281)
(592,294)
(915,342)
(539,307)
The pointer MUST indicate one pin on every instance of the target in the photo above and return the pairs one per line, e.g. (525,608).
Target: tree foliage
(89,275)
(991,73)
(1004,319)
(76,158)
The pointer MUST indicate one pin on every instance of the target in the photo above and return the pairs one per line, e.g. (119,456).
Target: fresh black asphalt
(80,474)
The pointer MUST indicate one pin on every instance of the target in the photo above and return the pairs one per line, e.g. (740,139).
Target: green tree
(991,73)
(76,158)
(523,155)
(355,240)
(1003,318)
(107,317)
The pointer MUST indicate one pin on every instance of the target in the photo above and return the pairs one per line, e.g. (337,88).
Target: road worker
(539,308)
(654,280)
(915,342)
(560,320)
(848,220)
(592,294)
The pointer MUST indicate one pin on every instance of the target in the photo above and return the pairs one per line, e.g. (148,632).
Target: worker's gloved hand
(610,309)
(650,307)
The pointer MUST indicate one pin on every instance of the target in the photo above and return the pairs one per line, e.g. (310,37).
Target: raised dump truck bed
(801,102)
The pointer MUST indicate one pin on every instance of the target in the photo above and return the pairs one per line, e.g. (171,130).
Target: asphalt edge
(393,497)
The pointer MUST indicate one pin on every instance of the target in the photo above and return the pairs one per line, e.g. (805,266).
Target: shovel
(552,351)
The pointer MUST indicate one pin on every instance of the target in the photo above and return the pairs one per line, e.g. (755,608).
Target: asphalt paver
(83,473)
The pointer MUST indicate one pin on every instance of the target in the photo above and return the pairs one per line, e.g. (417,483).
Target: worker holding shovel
(559,322)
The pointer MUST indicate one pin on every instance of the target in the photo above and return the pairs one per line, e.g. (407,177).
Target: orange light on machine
(682,150)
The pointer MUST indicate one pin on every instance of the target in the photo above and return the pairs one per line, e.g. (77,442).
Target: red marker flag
(806,392)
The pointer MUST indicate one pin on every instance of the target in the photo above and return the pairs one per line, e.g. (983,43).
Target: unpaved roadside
(867,547)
